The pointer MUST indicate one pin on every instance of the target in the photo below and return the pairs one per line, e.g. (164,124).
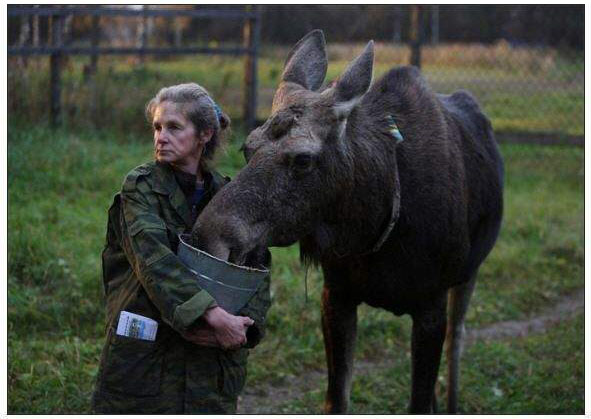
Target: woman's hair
(199,108)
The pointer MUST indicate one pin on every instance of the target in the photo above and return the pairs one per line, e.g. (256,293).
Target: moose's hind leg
(483,240)
(428,334)
(339,325)
(458,301)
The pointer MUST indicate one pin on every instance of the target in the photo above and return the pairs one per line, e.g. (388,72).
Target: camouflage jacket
(142,275)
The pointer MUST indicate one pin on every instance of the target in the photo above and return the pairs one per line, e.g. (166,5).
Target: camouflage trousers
(169,375)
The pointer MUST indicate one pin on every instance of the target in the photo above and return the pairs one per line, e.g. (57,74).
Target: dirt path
(565,308)
(267,399)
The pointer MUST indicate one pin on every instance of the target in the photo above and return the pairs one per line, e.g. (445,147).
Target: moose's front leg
(428,334)
(339,325)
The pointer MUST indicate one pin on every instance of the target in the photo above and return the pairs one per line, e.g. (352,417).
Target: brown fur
(324,170)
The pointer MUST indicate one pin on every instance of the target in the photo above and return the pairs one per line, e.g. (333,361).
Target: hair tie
(218,111)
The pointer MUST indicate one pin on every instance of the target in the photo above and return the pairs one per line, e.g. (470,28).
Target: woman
(197,362)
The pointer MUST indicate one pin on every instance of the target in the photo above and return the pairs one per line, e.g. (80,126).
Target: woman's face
(176,140)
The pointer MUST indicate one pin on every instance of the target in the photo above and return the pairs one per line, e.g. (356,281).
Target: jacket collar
(166,184)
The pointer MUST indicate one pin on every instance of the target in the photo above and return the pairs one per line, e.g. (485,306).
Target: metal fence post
(55,68)
(143,35)
(416,18)
(434,25)
(397,24)
(251,42)
(94,43)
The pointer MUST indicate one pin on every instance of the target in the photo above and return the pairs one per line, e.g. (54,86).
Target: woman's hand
(203,335)
(229,330)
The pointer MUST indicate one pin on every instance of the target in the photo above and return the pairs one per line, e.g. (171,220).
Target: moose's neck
(355,222)
(362,211)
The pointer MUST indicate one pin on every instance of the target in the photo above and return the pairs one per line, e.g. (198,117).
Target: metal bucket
(231,285)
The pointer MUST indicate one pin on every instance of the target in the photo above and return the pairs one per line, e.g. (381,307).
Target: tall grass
(60,184)
(521,89)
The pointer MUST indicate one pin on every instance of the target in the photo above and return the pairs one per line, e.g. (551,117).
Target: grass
(533,375)
(540,252)
(60,185)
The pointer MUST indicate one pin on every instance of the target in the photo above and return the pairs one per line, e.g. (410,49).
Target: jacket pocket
(233,377)
(132,366)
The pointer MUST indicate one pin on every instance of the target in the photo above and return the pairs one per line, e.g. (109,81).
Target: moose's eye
(302,161)
(281,124)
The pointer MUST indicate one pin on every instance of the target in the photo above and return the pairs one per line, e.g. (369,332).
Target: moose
(395,191)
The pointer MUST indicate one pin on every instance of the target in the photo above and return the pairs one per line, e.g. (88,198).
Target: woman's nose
(161,137)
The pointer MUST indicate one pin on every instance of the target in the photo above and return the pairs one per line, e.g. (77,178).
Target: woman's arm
(220,329)
(169,284)
(256,309)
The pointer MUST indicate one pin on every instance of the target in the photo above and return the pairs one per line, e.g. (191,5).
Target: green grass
(536,111)
(52,375)
(540,252)
(533,375)
(60,185)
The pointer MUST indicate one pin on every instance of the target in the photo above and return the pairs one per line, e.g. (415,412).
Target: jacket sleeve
(169,284)
(256,309)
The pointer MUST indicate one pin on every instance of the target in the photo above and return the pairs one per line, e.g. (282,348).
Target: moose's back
(484,169)
(451,177)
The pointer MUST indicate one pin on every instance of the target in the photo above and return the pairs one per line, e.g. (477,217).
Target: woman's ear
(205,135)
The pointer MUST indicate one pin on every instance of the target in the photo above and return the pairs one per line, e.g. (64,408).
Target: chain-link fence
(523,89)
(525,64)
(530,87)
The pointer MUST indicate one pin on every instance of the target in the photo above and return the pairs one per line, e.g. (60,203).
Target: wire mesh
(525,64)
(522,88)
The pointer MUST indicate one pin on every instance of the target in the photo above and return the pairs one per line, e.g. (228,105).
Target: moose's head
(301,167)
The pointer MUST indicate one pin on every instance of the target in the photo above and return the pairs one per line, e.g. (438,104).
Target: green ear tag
(393,129)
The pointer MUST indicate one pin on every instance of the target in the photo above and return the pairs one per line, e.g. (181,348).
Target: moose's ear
(355,81)
(306,63)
